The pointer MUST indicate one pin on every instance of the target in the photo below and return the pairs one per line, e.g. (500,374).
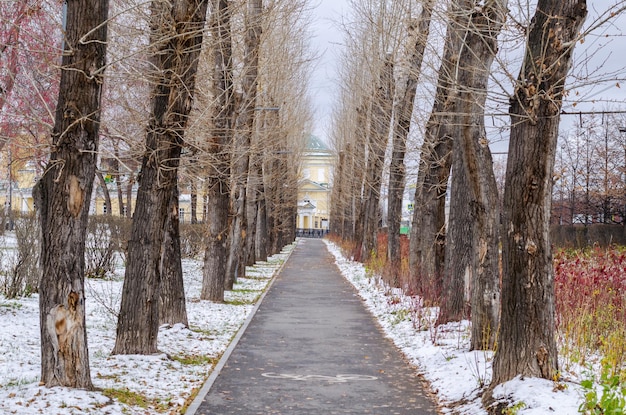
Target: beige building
(314,186)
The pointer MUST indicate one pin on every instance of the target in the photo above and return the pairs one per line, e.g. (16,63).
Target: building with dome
(314,188)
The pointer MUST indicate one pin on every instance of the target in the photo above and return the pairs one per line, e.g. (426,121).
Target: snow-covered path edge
(442,356)
(197,401)
(128,384)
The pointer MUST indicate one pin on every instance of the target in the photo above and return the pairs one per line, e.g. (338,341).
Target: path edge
(206,387)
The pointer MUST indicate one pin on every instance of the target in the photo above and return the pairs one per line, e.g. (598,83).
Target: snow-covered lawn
(166,382)
(130,384)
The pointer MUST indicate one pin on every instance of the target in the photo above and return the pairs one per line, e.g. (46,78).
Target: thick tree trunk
(243,137)
(172,307)
(471,270)
(63,195)
(403,113)
(218,182)
(175,59)
(526,344)
(382,102)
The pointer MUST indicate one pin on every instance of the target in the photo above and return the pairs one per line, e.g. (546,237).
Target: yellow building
(314,186)
(19,189)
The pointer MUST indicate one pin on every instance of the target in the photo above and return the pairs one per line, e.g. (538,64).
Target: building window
(104,209)
(181,215)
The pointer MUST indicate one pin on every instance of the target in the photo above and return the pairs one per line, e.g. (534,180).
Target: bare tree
(427,243)
(64,195)
(378,136)
(244,123)
(526,343)
(402,116)
(218,180)
(472,243)
(175,59)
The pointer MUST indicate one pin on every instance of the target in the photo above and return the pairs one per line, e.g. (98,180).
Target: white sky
(326,42)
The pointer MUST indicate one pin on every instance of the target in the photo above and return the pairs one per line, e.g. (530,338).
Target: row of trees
(396,58)
(591,171)
(198,93)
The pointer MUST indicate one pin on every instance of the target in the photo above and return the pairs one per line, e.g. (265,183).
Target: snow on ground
(441,354)
(162,383)
(166,382)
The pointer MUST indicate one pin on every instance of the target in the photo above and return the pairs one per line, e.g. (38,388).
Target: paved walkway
(313,348)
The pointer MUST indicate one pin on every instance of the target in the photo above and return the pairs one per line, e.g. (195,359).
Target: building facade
(314,187)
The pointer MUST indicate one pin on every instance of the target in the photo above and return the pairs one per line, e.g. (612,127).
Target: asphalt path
(313,348)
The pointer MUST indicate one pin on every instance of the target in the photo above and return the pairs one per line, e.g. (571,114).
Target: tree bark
(337,196)
(427,242)
(218,182)
(353,224)
(175,57)
(243,135)
(194,202)
(63,196)
(252,207)
(527,344)
(118,180)
(172,307)
(382,102)
(129,195)
(403,113)
(471,269)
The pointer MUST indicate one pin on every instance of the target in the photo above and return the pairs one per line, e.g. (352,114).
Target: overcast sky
(326,39)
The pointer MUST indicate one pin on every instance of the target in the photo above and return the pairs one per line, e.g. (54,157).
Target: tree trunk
(194,202)
(379,133)
(353,224)
(176,60)
(118,184)
(352,194)
(172,307)
(129,195)
(427,242)
(337,196)
(527,334)
(252,207)
(471,268)
(63,196)
(218,182)
(403,113)
(243,136)
(261,240)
